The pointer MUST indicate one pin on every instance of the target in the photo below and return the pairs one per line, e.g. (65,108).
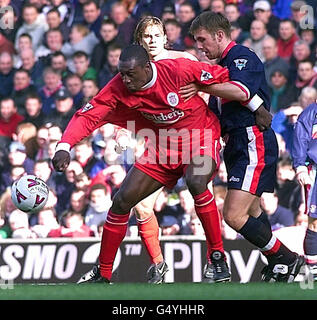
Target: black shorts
(251,157)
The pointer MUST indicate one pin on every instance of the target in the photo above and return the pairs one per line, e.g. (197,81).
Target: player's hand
(123,141)
(263,118)
(303,178)
(61,160)
(188,91)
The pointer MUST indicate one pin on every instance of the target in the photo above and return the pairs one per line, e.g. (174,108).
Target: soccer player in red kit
(151,34)
(182,139)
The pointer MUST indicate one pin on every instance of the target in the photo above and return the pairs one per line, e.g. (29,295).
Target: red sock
(149,233)
(114,231)
(208,214)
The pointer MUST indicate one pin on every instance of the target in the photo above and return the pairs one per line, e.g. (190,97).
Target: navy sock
(264,219)
(256,232)
(310,246)
(261,236)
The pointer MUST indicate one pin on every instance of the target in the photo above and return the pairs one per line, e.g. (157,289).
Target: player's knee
(121,203)
(197,185)
(142,211)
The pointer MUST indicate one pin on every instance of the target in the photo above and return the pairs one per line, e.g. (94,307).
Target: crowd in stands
(60,53)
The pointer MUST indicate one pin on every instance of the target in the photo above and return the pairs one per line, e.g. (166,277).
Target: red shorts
(166,159)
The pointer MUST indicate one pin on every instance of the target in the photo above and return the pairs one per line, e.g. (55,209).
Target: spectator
(109,36)
(22,88)
(90,89)
(33,110)
(78,201)
(283,121)
(232,13)
(174,35)
(54,21)
(308,35)
(110,69)
(301,52)
(186,14)
(53,43)
(124,21)
(288,189)
(83,183)
(6,74)
(42,141)
(65,184)
(99,204)
(34,24)
(54,131)
(278,216)
(92,17)
(272,61)
(24,42)
(74,86)
(6,45)
(60,6)
(19,225)
(196,227)
(46,222)
(169,225)
(167,215)
(78,13)
(282,91)
(307,96)
(258,34)
(59,63)
(64,109)
(74,227)
(81,65)
(286,40)
(17,157)
(218,6)
(80,39)
(186,202)
(168,13)
(52,83)
(306,76)
(85,156)
(9,117)
(262,11)
(6,207)
(298,13)
(112,176)
(26,135)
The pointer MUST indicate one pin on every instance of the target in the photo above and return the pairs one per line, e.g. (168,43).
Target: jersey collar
(229,46)
(153,80)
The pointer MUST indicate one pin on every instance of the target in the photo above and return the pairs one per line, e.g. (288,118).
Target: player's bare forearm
(225,90)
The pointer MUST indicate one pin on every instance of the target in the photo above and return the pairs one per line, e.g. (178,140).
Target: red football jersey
(157,105)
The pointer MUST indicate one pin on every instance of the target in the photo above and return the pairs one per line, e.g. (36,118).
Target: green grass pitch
(175,291)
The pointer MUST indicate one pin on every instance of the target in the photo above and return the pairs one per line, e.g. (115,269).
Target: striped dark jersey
(247,72)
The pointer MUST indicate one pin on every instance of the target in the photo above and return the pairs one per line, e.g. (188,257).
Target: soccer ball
(29,193)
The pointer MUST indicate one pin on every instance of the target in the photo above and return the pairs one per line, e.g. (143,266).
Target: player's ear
(165,40)
(219,35)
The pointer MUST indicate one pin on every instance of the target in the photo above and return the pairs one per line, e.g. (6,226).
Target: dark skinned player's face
(133,75)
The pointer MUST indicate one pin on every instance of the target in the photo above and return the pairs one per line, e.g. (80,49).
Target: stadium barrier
(64,260)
